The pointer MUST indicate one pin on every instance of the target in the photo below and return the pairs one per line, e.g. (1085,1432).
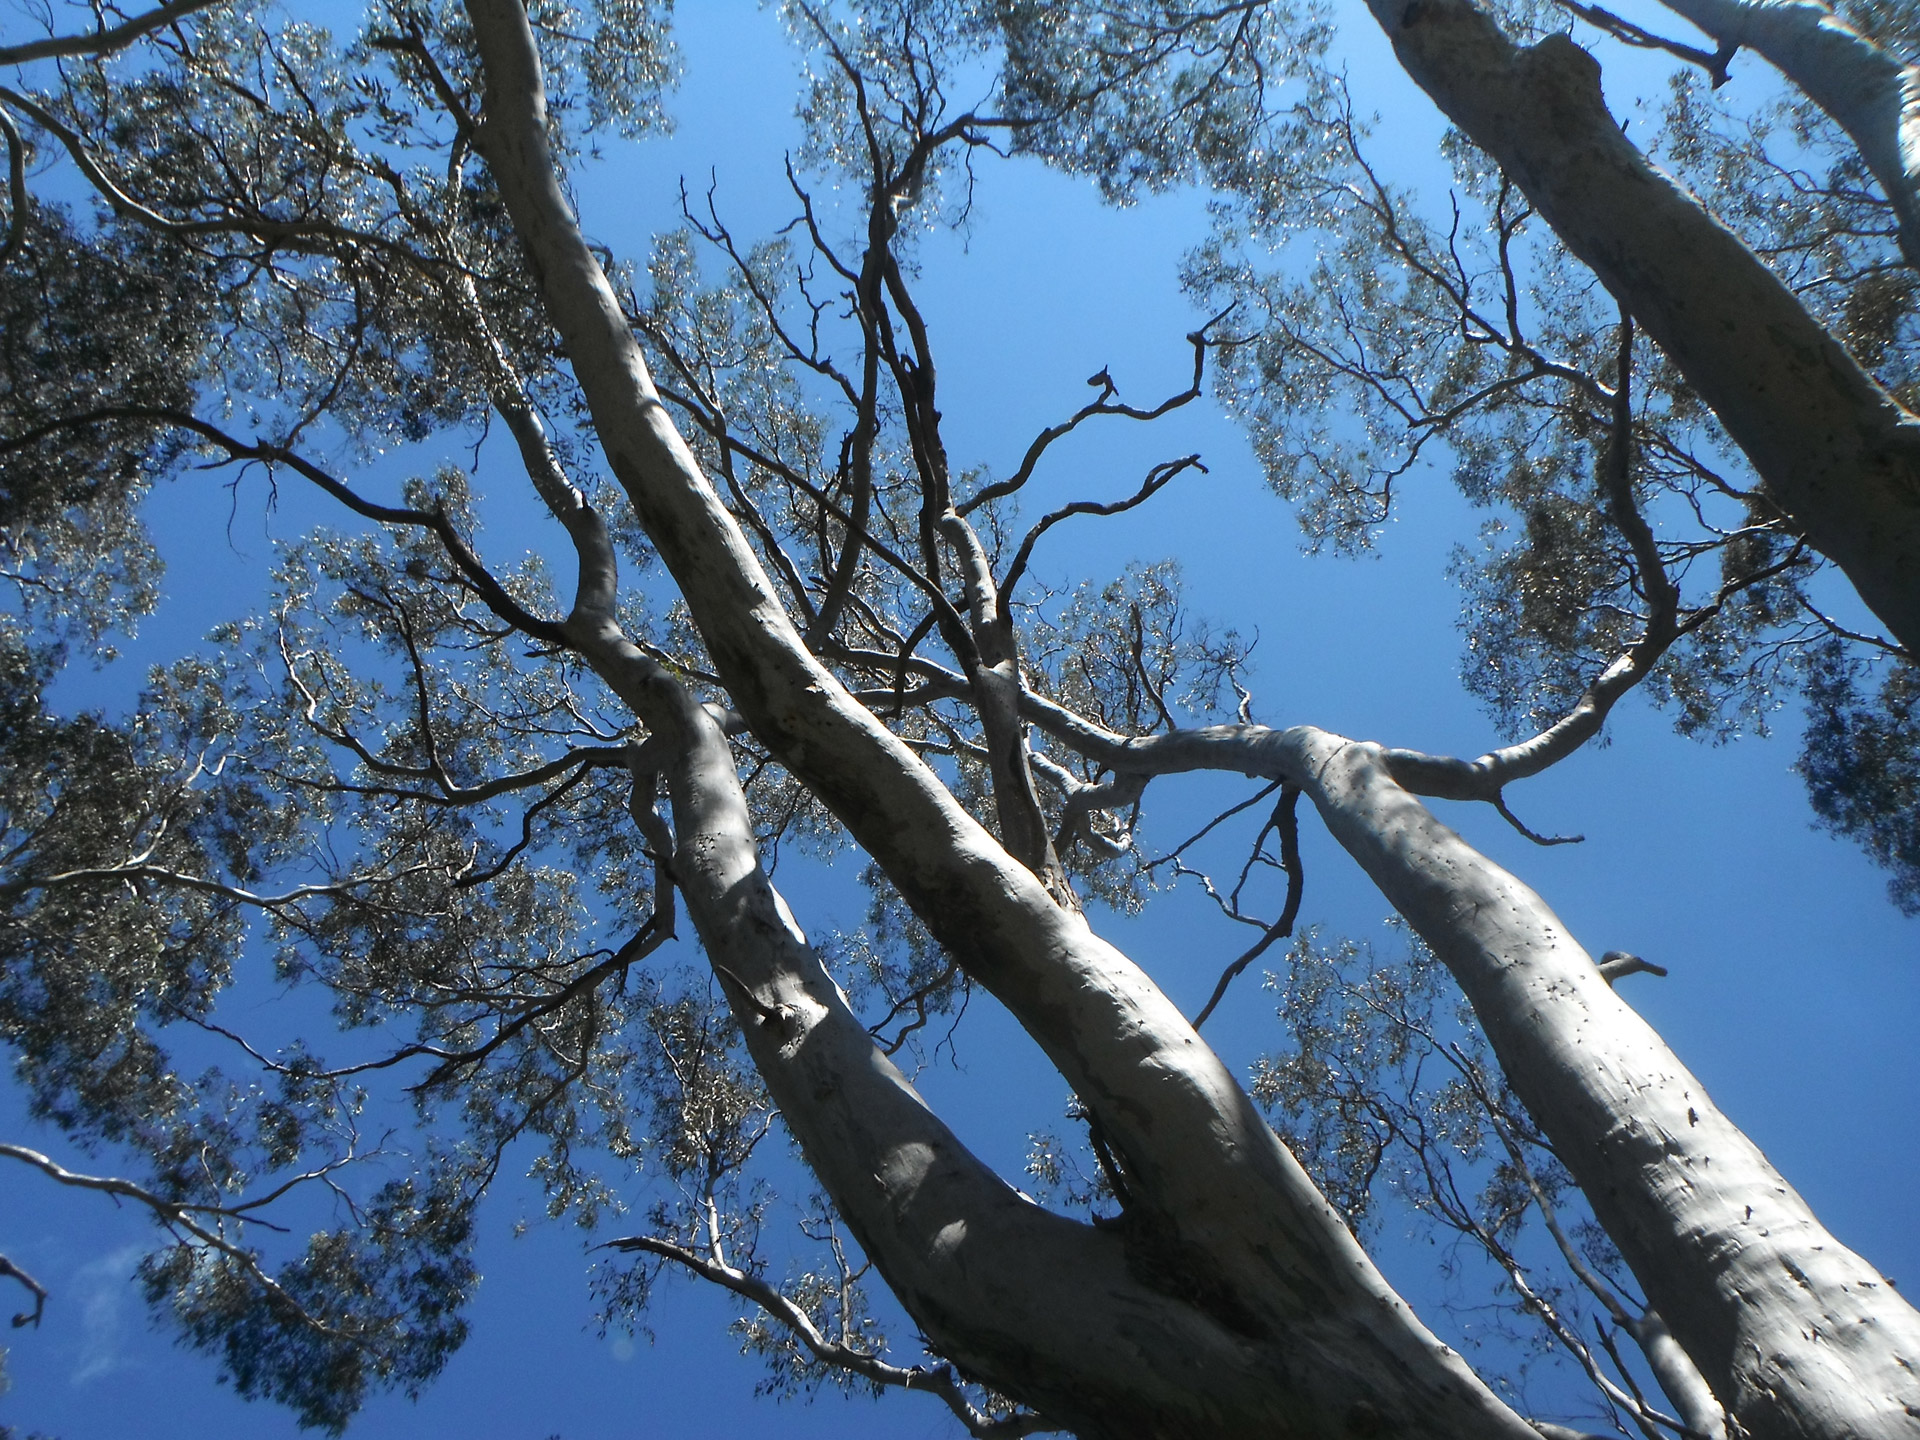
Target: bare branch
(1627,33)
(1285,819)
(939,1381)
(103,42)
(1157,480)
(1105,405)
(11,1271)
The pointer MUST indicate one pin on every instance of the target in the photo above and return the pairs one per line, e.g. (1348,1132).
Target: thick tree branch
(1627,33)
(1835,450)
(1451,778)
(102,43)
(1865,90)
(1239,1210)
(1047,1308)
(1750,1283)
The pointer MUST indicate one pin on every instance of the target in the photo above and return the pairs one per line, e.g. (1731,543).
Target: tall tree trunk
(1795,1334)
(1044,1308)
(1223,1219)
(1866,91)
(1834,449)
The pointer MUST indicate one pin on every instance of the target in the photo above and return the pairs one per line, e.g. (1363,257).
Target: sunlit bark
(1793,1332)
(1835,450)
(1224,1218)
(1239,1258)
(1869,93)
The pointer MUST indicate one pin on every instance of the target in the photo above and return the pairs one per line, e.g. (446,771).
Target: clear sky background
(1793,993)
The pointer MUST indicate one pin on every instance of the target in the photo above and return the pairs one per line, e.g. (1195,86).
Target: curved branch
(473,571)
(1450,778)
(11,1271)
(103,42)
(1102,406)
(1287,822)
(939,1381)
(1627,33)
(1157,480)
(176,1215)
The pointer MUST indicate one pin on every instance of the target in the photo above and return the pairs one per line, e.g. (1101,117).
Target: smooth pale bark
(1835,450)
(1224,1218)
(1866,91)
(1222,1213)
(1795,1334)
(1044,1308)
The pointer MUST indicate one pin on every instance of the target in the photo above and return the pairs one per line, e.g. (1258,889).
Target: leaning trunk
(1837,453)
(1796,1335)
(1223,1222)
(1221,1219)
(1870,94)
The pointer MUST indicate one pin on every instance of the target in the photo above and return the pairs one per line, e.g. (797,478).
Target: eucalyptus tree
(1476,334)
(430,784)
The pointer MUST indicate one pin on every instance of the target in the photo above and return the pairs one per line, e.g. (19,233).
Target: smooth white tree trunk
(1870,94)
(1836,452)
(1226,1226)
(1794,1333)
(1228,1263)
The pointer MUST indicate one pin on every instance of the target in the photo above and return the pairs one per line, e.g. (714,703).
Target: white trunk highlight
(1867,92)
(1835,450)
(1795,1333)
(1229,1220)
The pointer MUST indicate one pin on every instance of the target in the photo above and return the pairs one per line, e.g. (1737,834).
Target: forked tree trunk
(1239,1253)
(1231,1300)
(1796,1335)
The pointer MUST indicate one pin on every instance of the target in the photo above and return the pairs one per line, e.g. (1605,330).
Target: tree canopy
(642,567)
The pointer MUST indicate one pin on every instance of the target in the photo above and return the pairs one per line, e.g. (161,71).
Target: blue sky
(1792,995)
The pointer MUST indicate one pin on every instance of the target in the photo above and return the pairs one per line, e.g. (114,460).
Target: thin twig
(1286,821)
